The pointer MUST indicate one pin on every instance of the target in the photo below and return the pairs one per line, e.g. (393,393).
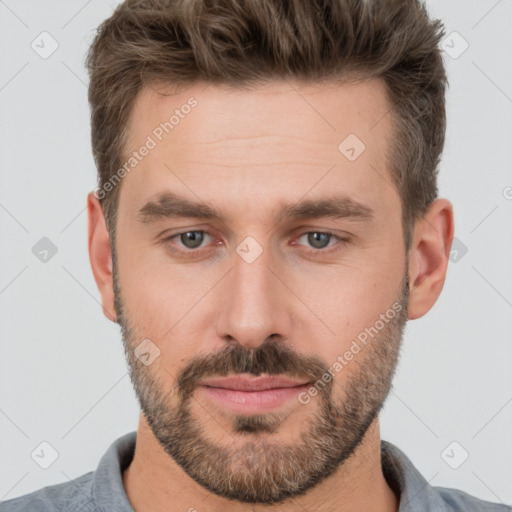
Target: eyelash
(194,252)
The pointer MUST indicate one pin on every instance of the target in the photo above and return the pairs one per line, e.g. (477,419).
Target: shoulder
(74,495)
(417,494)
(101,489)
(458,500)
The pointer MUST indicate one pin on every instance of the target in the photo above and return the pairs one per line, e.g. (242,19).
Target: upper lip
(252,383)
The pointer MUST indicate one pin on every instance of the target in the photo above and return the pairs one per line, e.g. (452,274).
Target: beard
(259,468)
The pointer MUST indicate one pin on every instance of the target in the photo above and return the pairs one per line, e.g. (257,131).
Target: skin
(245,153)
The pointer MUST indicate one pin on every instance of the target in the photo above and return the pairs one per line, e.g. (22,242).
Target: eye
(190,239)
(320,240)
(190,242)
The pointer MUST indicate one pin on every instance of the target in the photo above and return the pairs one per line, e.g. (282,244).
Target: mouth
(244,394)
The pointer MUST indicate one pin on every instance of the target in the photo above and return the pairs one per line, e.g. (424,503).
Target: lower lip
(253,402)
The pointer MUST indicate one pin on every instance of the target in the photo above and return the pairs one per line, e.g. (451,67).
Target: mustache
(271,358)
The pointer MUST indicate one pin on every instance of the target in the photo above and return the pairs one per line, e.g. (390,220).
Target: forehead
(320,112)
(279,141)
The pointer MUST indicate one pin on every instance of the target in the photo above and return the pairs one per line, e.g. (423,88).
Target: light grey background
(63,374)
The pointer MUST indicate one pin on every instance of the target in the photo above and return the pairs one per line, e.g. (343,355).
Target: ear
(100,255)
(429,256)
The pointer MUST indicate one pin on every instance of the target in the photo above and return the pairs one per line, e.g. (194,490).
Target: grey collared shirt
(102,489)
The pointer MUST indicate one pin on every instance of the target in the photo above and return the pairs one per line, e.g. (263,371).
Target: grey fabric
(102,490)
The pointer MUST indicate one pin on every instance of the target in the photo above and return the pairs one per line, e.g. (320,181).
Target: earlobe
(429,257)
(100,255)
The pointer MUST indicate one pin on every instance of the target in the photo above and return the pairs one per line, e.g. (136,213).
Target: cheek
(353,299)
(163,302)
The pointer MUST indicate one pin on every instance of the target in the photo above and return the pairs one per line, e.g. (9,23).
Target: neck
(154,481)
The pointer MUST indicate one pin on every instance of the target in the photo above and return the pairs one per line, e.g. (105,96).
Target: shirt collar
(107,486)
(406,481)
(402,476)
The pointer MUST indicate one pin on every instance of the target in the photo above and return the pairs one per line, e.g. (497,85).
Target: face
(251,243)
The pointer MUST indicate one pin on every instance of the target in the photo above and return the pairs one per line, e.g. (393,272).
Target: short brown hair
(250,42)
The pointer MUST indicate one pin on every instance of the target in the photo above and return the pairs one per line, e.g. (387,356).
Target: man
(265,224)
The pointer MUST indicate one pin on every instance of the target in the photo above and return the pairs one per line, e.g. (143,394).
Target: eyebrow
(170,205)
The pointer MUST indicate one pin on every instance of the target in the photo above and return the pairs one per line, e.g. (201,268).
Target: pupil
(192,239)
(318,240)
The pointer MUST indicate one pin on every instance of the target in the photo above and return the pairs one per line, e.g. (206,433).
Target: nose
(253,303)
